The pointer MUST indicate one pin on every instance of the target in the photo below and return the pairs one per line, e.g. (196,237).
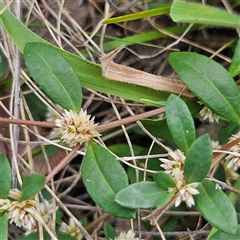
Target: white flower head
(14,194)
(76,128)
(4,204)
(23,213)
(129,235)
(46,210)
(206,113)
(177,161)
(185,194)
(231,174)
(71,229)
(233,160)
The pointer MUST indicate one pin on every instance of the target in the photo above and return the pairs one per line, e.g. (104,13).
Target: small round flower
(71,229)
(76,128)
(130,235)
(14,194)
(46,211)
(185,193)
(177,161)
(22,213)
(233,160)
(206,113)
(4,204)
(231,174)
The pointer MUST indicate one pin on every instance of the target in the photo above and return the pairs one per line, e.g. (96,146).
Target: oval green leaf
(140,195)
(210,82)
(198,160)
(188,12)
(234,68)
(224,236)
(3,225)
(180,122)
(32,184)
(164,198)
(215,207)
(103,176)
(163,180)
(54,74)
(5,176)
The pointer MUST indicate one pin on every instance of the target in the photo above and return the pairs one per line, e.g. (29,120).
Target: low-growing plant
(191,174)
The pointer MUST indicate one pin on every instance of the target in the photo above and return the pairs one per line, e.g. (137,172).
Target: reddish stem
(66,159)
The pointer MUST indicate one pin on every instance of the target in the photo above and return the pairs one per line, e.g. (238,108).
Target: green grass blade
(139,15)
(196,13)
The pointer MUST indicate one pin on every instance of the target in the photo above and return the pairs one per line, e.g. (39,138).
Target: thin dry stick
(117,123)
(14,130)
(146,162)
(217,157)
(78,224)
(57,168)
(158,212)
(101,128)
(159,229)
(27,122)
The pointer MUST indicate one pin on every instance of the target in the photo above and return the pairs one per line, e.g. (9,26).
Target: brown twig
(101,128)
(28,122)
(118,123)
(57,168)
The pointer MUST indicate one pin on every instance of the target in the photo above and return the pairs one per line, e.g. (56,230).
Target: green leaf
(5,176)
(180,122)
(223,236)
(109,231)
(103,176)
(198,160)
(163,180)
(3,63)
(158,128)
(234,68)
(54,74)
(187,12)
(32,184)
(3,225)
(164,198)
(210,82)
(215,207)
(35,236)
(227,131)
(140,195)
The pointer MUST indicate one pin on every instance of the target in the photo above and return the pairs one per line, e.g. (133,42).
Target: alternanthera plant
(189,173)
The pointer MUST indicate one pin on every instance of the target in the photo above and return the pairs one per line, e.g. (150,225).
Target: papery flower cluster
(23,213)
(76,128)
(129,235)
(206,113)
(174,167)
(71,229)
(231,162)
